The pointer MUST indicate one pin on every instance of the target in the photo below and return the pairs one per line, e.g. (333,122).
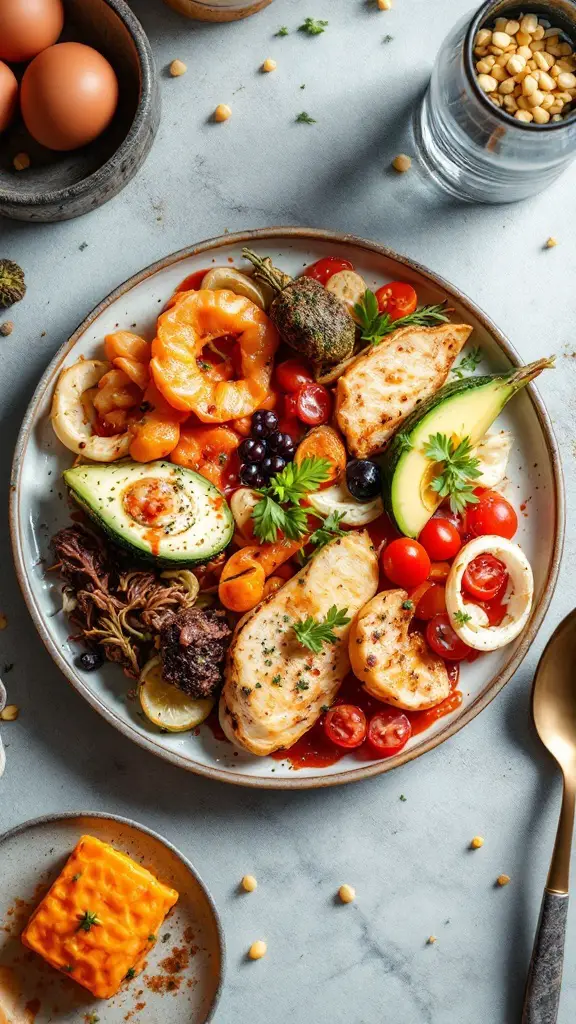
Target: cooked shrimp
(131,354)
(193,321)
(157,433)
(206,449)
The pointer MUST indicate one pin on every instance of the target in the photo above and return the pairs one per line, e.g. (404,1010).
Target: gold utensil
(554,711)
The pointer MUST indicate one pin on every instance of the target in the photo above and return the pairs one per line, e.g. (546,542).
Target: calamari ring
(191,323)
(69,419)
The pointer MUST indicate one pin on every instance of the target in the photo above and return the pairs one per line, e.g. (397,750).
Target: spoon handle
(542,995)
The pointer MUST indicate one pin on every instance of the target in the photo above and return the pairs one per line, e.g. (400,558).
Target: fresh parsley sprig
(375,325)
(314,633)
(279,509)
(312,26)
(322,535)
(468,364)
(461,618)
(459,468)
(304,118)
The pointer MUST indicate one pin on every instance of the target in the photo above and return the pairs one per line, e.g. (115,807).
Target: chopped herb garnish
(387,39)
(286,489)
(408,605)
(468,364)
(246,690)
(166,936)
(276,680)
(151,938)
(87,920)
(257,686)
(402,798)
(313,633)
(68,968)
(329,529)
(325,708)
(92,1018)
(304,118)
(461,618)
(312,26)
(302,685)
(130,973)
(375,325)
(459,468)
(222,458)
(282,31)
(77,876)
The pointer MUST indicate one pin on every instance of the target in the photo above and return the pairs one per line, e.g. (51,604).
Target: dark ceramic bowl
(59,186)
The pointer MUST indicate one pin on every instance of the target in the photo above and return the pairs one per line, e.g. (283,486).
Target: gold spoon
(554,711)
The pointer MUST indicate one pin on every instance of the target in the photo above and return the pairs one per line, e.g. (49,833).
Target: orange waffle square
(100,917)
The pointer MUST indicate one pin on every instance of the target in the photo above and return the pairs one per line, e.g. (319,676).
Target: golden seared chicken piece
(275,687)
(381,388)
(393,665)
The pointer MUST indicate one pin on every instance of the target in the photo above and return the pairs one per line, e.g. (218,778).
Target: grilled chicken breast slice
(393,665)
(380,389)
(275,688)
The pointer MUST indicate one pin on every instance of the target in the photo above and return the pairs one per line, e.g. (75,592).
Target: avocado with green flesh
(156,510)
(310,319)
(464,408)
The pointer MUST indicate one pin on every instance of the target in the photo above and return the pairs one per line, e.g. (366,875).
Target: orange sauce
(193,282)
(153,538)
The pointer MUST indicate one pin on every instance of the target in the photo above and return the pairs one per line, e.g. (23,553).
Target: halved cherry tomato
(292,374)
(444,641)
(314,404)
(441,539)
(323,269)
(345,725)
(432,602)
(484,576)
(405,562)
(388,732)
(397,299)
(492,514)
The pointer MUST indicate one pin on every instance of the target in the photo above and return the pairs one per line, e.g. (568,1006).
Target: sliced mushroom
(226,277)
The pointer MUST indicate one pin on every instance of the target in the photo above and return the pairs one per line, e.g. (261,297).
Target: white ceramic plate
(182,978)
(39,506)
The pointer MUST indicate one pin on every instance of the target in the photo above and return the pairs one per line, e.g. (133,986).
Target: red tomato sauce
(193,282)
(314,749)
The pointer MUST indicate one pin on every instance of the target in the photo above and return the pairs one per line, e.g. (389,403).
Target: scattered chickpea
(178,68)
(431,940)
(477,842)
(269,64)
(540,115)
(222,112)
(249,883)
(257,950)
(10,713)
(402,163)
(487,83)
(524,115)
(551,242)
(502,880)
(385,5)
(21,161)
(6,328)
(347,893)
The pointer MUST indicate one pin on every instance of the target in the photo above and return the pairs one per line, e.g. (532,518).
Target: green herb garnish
(329,529)
(459,468)
(312,26)
(151,938)
(402,798)
(314,633)
(87,921)
(375,325)
(68,968)
(282,31)
(468,364)
(461,618)
(76,876)
(130,973)
(280,509)
(276,680)
(304,118)
(408,605)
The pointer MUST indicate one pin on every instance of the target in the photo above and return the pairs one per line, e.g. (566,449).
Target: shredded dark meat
(118,611)
(193,647)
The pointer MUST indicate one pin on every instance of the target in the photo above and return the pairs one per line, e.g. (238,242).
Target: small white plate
(182,979)
(39,506)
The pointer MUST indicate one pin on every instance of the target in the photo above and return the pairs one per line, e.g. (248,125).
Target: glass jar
(473,149)
(218,10)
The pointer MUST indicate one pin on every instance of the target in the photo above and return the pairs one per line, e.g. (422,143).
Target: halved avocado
(156,510)
(464,408)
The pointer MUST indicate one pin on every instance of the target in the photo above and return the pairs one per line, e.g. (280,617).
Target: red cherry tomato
(314,404)
(292,374)
(441,539)
(345,725)
(444,640)
(405,562)
(397,299)
(432,602)
(388,732)
(492,514)
(484,577)
(324,269)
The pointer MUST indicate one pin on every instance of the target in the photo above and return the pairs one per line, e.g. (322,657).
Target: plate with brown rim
(181,978)
(39,507)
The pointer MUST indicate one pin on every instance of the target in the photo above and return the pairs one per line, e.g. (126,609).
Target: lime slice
(167,706)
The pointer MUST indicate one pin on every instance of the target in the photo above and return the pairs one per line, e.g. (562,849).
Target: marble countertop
(408,859)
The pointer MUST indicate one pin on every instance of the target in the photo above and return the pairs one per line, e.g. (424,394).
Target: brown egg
(28,26)
(8,95)
(68,95)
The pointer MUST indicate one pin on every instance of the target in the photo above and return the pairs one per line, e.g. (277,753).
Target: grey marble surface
(368,962)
